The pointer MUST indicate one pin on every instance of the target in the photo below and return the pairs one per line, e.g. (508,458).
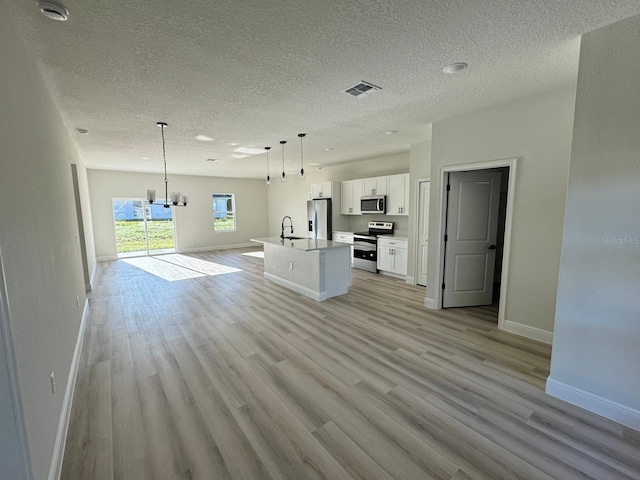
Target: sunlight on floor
(254,254)
(179,267)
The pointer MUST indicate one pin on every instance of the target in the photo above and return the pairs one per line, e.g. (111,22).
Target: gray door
(471,233)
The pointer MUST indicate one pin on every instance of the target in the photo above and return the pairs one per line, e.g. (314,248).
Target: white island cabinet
(316,268)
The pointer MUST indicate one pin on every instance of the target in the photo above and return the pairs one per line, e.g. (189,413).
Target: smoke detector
(53,10)
(362,89)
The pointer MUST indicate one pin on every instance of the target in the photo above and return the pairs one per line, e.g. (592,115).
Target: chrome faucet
(283,225)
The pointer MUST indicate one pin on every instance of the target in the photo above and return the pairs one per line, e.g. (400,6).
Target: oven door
(365,253)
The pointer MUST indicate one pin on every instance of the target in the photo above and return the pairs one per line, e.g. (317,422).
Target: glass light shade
(268,180)
(151,196)
(301,174)
(185,199)
(175,198)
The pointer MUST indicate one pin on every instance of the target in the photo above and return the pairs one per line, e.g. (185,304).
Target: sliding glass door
(142,229)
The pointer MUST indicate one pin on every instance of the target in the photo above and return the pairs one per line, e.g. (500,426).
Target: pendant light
(284,175)
(301,135)
(177,199)
(268,177)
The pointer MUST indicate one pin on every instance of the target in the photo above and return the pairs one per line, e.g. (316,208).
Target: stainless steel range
(365,245)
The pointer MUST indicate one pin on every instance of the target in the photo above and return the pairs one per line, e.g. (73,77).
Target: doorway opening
(472,249)
(81,238)
(142,229)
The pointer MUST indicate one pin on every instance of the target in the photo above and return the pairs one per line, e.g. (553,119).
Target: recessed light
(454,68)
(234,144)
(53,10)
(250,150)
(82,131)
(239,155)
(144,158)
(314,164)
(391,132)
(204,138)
(328,149)
(212,160)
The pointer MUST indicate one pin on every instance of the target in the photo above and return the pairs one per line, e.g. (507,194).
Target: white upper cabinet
(398,194)
(322,190)
(351,193)
(374,186)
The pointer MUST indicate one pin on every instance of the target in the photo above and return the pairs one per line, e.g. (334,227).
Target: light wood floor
(230,376)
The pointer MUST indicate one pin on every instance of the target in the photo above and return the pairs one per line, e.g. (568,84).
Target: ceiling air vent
(362,89)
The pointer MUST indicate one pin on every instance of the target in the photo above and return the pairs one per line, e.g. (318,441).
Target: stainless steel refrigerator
(319,218)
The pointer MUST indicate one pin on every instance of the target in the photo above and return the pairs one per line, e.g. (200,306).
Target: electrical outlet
(77,301)
(53,383)
(290,265)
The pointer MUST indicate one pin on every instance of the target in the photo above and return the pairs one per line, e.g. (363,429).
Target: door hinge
(443,286)
(448,188)
(446,237)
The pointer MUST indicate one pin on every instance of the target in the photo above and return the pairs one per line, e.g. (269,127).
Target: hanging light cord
(301,135)
(282,142)
(166,180)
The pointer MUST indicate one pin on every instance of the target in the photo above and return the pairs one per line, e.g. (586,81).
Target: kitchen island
(316,268)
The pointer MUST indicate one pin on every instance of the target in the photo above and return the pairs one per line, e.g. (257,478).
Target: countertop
(306,244)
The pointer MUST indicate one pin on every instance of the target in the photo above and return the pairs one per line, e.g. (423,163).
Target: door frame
(23,460)
(416,247)
(511,163)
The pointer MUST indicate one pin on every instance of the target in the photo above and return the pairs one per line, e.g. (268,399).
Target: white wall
(290,198)
(538,131)
(37,237)
(194,223)
(596,352)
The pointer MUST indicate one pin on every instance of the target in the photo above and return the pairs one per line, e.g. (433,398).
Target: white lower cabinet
(392,256)
(344,237)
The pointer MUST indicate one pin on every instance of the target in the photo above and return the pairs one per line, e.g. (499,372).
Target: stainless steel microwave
(373,204)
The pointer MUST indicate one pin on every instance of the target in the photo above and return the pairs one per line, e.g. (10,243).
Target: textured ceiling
(254,73)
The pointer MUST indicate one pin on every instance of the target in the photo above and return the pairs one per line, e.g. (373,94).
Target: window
(224,212)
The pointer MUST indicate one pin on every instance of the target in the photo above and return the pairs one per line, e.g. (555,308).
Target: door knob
(492,247)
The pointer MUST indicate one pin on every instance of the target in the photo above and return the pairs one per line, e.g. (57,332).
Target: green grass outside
(130,235)
(222,224)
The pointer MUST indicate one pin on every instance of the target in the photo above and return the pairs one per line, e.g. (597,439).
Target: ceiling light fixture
(53,10)
(249,150)
(454,68)
(391,132)
(176,197)
(301,135)
(204,138)
(284,175)
(329,149)
(212,160)
(268,177)
(82,131)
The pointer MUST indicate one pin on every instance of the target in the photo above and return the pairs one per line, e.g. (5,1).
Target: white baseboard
(534,333)
(108,258)
(63,424)
(307,292)
(430,303)
(216,247)
(594,403)
(394,275)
